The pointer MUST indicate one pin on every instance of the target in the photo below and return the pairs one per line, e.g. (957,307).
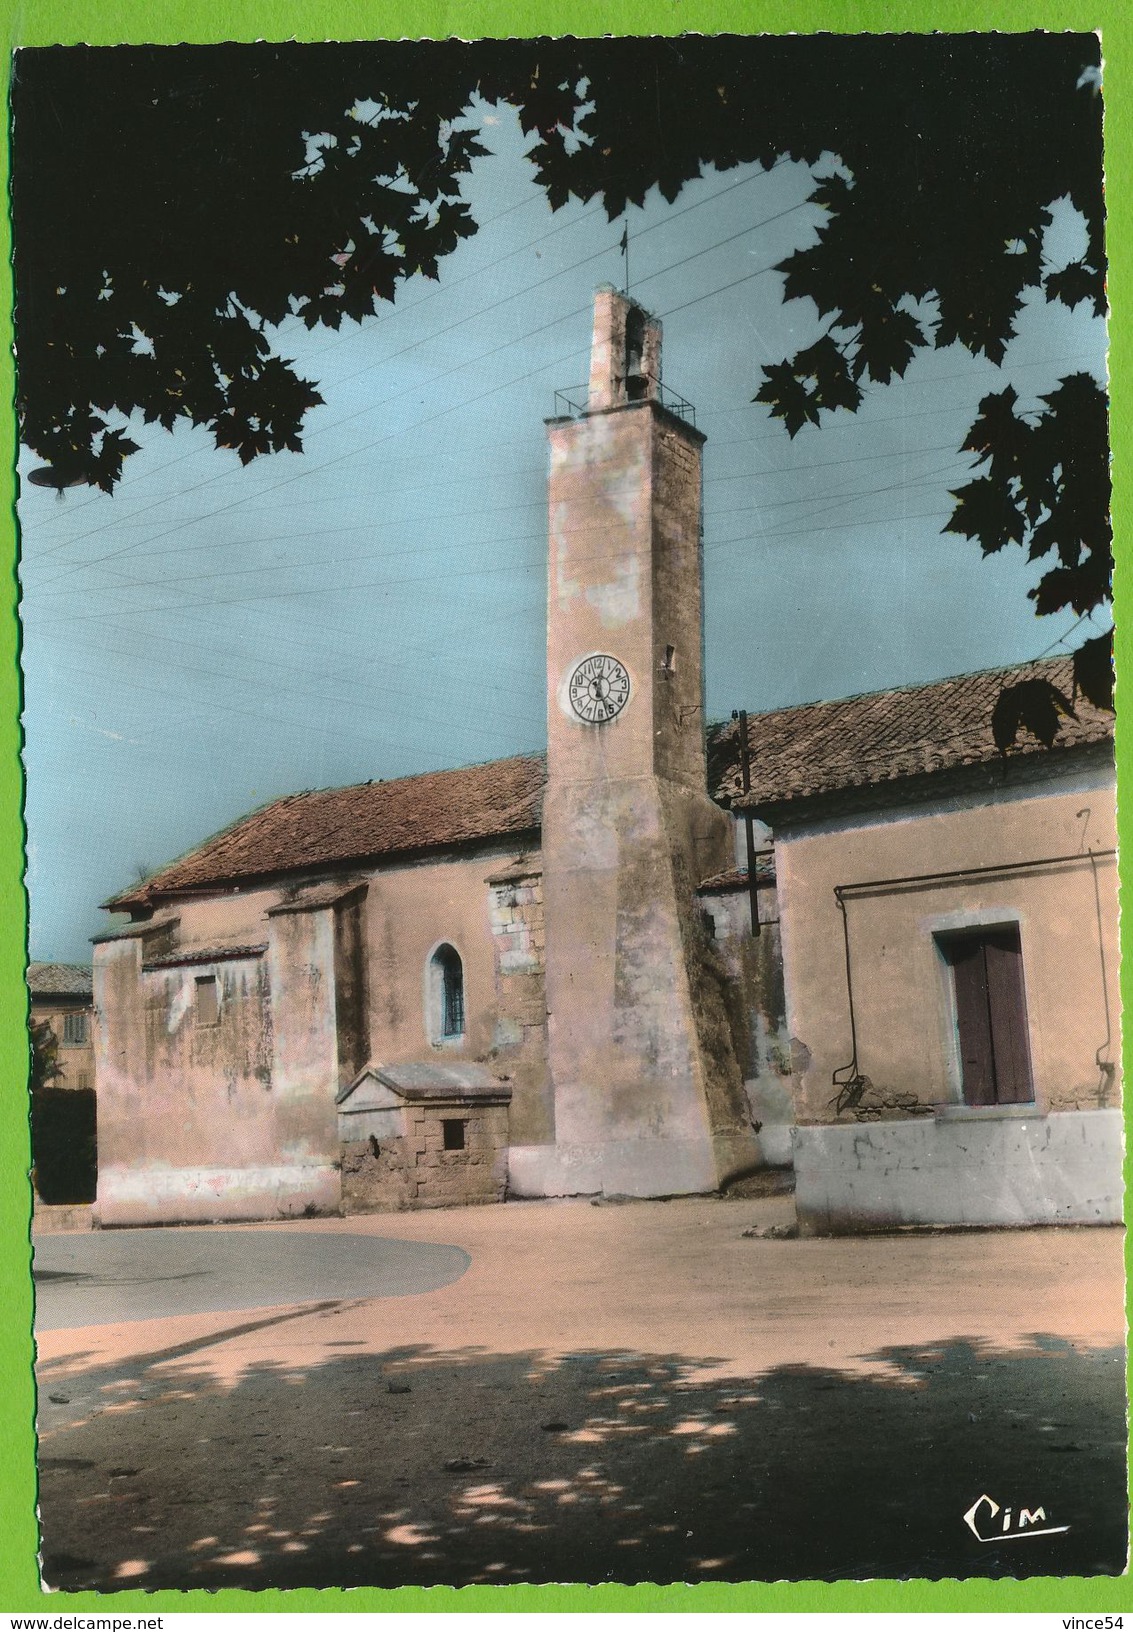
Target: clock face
(598,688)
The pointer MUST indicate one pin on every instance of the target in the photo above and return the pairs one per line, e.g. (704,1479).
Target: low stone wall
(416,1170)
(169,1195)
(1001,1167)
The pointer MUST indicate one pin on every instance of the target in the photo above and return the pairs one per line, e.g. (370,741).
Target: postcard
(566,636)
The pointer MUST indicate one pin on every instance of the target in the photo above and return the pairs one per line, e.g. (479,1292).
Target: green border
(45,22)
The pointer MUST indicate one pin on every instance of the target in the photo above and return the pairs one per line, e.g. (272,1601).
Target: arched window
(446,995)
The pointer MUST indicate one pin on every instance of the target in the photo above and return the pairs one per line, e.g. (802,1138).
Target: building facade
(64,1112)
(61,994)
(541,976)
(949,923)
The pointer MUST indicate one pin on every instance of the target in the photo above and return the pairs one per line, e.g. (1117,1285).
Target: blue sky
(212,637)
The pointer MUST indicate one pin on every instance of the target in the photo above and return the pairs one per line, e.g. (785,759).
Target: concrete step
(55,1220)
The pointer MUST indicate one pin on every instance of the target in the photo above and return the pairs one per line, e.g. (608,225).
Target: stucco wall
(229,918)
(903,1001)
(238,1119)
(409,913)
(187,1125)
(231,1119)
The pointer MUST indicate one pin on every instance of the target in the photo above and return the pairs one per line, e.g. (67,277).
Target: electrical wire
(482,356)
(464,514)
(828,501)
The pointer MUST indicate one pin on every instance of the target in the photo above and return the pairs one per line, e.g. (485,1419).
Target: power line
(1065,636)
(463,515)
(478,572)
(327,464)
(347,676)
(320,565)
(530,288)
(356,704)
(826,500)
(1005,369)
(284,329)
(471,317)
(829,527)
(715,444)
(521,567)
(711,481)
(66,544)
(338,459)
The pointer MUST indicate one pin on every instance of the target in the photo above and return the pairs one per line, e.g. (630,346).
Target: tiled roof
(59,980)
(309,897)
(425,1079)
(736,878)
(205,954)
(888,736)
(375,819)
(796,753)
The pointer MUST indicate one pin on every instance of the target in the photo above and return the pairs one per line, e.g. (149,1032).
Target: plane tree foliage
(173,207)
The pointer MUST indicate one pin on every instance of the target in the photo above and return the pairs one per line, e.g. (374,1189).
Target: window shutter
(1008,1011)
(969,968)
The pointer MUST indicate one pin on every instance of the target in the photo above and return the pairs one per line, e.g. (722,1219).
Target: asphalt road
(112,1276)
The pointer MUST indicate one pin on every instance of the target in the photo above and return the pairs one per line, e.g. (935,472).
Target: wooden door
(991,1015)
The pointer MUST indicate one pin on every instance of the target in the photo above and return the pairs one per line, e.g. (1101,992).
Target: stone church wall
(519,1049)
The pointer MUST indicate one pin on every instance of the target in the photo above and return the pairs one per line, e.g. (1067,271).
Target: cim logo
(981,1519)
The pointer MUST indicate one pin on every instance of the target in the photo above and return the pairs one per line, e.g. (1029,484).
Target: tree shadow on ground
(415,1467)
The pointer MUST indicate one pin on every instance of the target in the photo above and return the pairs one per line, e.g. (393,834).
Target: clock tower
(647,1096)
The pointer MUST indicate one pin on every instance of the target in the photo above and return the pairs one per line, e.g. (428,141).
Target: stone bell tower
(647,1095)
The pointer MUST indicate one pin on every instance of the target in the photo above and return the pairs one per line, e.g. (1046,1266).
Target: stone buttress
(647,1094)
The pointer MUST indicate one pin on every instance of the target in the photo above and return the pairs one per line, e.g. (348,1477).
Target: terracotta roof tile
(885,736)
(333,826)
(309,897)
(60,979)
(736,878)
(461,1080)
(797,753)
(205,954)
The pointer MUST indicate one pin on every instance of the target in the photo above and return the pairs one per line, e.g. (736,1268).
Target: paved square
(628,1393)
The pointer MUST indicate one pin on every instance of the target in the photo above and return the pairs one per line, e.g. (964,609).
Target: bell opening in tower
(637,380)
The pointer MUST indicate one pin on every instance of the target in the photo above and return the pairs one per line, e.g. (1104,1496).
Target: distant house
(64,1133)
(61,994)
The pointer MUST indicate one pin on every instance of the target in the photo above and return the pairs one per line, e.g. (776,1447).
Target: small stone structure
(422,1135)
